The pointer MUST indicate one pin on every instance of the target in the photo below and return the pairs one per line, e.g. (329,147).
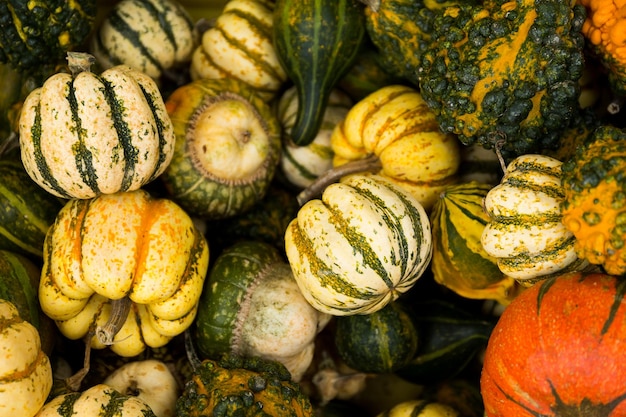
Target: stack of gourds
(285,208)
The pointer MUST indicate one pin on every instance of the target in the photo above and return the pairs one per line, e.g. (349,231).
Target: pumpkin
(37,32)
(239,46)
(419,408)
(525,233)
(152,36)
(127,266)
(594,202)
(301,165)
(395,125)
(25,370)
(460,262)
(98,401)
(26,210)
(252,306)
(236,385)
(227,147)
(558,350)
(379,342)
(317,41)
(83,134)
(360,246)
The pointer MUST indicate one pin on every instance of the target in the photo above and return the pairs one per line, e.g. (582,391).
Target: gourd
(301,165)
(395,126)
(420,408)
(151,36)
(25,370)
(594,202)
(379,342)
(460,262)
(525,232)
(240,46)
(98,401)
(26,210)
(35,33)
(555,348)
(83,135)
(123,270)
(316,41)
(360,246)
(227,147)
(236,385)
(252,306)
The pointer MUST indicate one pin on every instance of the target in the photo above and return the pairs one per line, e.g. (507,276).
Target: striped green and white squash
(152,36)
(459,261)
(239,45)
(525,233)
(26,210)
(99,400)
(84,134)
(301,165)
(360,246)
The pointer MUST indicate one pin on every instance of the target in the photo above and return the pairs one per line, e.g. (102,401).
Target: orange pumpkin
(559,349)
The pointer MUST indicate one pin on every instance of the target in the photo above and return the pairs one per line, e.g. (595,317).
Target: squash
(460,262)
(124,270)
(360,246)
(594,202)
(25,370)
(83,134)
(37,32)
(97,401)
(379,342)
(151,36)
(236,385)
(525,233)
(395,125)
(317,41)
(252,306)
(301,165)
(557,350)
(240,46)
(420,408)
(26,210)
(227,147)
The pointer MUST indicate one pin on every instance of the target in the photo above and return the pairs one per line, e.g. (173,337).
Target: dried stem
(192,354)
(74,382)
(119,312)
(79,62)
(615,105)
(369,164)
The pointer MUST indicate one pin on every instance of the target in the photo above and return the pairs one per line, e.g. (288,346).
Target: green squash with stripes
(459,261)
(85,134)
(380,342)
(360,246)
(26,210)
(152,36)
(317,42)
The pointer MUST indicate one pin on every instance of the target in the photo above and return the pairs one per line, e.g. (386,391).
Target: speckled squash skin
(124,246)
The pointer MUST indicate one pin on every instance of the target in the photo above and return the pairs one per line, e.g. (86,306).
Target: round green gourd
(379,342)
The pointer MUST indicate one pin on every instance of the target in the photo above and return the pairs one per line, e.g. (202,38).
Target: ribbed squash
(460,262)
(98,401)
(360,246)
(26,210)
(395,125)
(594,204)
(317,41)
(25,370)
(525,233)
(128,266)
(241,386)
(301,165)
(84,134)
(240,46)
(152,36)
(227,147)
(34,33)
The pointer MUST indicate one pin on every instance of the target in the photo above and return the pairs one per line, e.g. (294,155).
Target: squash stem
(119,312)
(74,382)
(79,62)
(369,164)
(374,5)
(615,105)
